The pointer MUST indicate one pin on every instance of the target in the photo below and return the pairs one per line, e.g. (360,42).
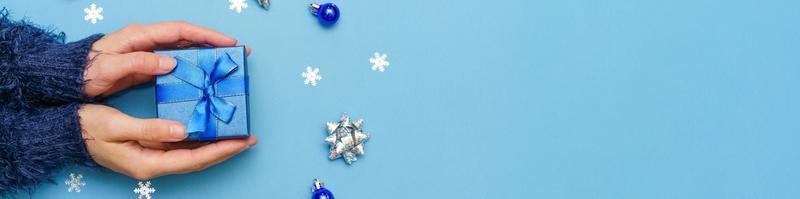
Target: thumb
(143,63)
(157,130)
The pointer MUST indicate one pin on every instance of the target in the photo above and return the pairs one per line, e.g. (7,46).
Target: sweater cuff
(35,144)
(55,73)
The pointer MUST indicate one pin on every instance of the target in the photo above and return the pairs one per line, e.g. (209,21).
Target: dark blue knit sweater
(41,78)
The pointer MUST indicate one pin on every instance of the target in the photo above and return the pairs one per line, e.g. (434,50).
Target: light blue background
(494,99)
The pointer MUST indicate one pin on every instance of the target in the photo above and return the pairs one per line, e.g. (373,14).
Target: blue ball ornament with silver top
(326,13)
(319,191)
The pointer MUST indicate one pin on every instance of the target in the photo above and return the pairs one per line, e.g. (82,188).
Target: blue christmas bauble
(328,13)
(318,191)
(322,193)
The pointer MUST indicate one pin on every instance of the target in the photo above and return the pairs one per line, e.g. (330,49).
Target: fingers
(158,130)
(118,139)
(171,145)
(166,33)
(143,63)
(119,71)
(155,145)
(126,69)
(190,160)
(150,37)
(127,82)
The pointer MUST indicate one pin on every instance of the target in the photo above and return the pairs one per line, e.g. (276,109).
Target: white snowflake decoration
(311,76)
(144,190)
(379,62)
(93,13)
(75,182)
(237,5)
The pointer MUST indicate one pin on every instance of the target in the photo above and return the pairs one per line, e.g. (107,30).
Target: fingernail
(254,143)
(177,132)
(166,63)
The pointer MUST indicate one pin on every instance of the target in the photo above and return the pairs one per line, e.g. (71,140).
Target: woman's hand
(145,148)
(141,148)
(124,58)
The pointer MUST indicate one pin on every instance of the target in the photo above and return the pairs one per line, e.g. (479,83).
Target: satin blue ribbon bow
(204,83)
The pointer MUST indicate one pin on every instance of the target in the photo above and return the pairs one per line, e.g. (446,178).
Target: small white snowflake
(93,13)
(237,5)
(379,62)
(144,190)
(75,182)
(311,76)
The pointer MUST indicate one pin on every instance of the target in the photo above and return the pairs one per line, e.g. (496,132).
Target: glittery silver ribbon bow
(346,139)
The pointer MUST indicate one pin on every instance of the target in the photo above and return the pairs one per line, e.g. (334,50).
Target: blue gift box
(207,91)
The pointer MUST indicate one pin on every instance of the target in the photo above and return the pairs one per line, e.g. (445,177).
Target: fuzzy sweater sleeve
(41,80)
(36,143)
(37,67)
